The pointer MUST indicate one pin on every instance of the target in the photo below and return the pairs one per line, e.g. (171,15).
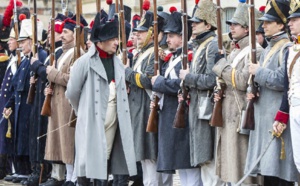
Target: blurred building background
(89,7)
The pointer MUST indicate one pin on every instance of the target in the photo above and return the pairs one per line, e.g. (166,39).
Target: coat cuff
(261,76)
(35,65)
(190,80)
(220,66)
(282,117)
(53,74)
(128,72)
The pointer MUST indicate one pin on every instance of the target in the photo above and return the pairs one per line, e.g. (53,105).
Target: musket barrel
(123,32)
(46,109)
(217,118)
(179,121)
(31,92)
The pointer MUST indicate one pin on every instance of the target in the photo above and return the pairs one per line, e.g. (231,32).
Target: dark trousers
(83,181)
(22,165)
(275,181)
(120,180)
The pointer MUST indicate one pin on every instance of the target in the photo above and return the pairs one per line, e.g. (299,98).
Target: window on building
(227,15)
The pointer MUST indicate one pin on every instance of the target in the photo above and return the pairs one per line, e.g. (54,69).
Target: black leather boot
(83,181)
(100,182)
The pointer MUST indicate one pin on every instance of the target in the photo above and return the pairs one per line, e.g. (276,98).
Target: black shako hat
(112,11)
(276,10)
(174,23)
(146,22)
(60,17)
(163,18)
(70,23)
(104,31)
(295,9)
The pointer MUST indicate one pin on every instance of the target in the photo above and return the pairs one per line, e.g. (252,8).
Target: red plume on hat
(9,12)
(172,9)
(197,1)
(262,8)
(22,17)
(109,2)
(146,5)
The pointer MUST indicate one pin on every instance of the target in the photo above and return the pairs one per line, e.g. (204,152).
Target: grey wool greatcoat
(60,144)
(270,78)
(231,146)
(173,144)
(145,143)
(88,93)
(200,80)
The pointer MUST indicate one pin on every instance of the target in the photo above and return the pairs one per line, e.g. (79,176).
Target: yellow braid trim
(138,80)
(232,77)
(149,34)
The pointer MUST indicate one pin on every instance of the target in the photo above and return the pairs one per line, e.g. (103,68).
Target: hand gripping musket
(217,118)
(179,121)
(16,29)
(31,92)
(152,125)
(248,121)
(46,109)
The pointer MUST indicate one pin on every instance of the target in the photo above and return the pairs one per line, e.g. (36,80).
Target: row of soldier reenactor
(112,101)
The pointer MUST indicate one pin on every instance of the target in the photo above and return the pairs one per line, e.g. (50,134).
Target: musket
(141,8)
(31,92)
(79,39)
(77,53)
(117,7)
(152,125)
(180,117)
(98,4)
(46,109)
(16,29)
(248,120)
(217,118)
(123,32)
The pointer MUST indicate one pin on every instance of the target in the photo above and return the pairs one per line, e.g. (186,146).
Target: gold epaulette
(3,58)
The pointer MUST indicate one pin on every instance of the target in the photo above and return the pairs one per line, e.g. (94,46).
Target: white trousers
(58,171)
(209,177)
(152,178)
(110,123)
(295,133)
(190,177)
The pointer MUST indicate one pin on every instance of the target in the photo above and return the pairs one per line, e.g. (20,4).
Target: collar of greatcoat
(97,66)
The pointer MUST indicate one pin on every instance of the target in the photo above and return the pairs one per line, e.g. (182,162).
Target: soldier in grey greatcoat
(201,80)
(231,144)
(269,75)
(139,78)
